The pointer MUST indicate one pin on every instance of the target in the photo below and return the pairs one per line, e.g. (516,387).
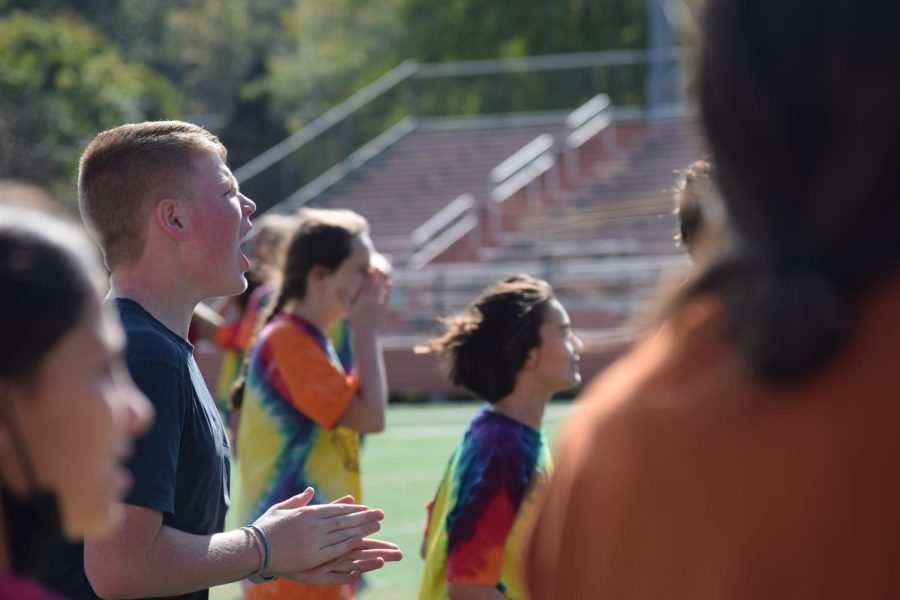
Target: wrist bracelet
(256,544)
(263,541)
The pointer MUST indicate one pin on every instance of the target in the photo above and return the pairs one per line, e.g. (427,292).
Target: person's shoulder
(148,340)
(280,329)
(619,399)
(494,425)
(289,336)
(657,395)
(499,438)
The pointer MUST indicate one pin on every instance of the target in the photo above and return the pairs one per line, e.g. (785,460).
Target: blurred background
(479,137)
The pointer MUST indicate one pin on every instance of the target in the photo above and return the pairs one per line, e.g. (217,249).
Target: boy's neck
(318,314)
(525,404)
(171,304)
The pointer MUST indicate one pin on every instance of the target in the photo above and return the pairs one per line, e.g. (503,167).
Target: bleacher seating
(413,179)
(603,236)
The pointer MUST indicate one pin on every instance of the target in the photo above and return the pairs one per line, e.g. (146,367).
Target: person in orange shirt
(302,411)
(747,448)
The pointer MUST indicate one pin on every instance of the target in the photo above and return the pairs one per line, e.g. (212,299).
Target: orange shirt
(290,436)
(682,478)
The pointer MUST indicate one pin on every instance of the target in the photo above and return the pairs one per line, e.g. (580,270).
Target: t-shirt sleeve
(154,463)
(429,511)
(491,490)
(313,384)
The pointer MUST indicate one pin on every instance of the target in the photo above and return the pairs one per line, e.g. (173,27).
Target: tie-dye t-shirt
(474,532)
(295,394)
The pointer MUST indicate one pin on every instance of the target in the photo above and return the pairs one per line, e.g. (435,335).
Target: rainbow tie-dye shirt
(474,533)
(296,393)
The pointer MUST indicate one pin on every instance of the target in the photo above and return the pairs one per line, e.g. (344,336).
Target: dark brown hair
(801,113)
(49,271)
(124,171)
(488,343)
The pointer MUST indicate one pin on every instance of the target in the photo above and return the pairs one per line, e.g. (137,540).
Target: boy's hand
(370,306)
(303,538)
(368,555)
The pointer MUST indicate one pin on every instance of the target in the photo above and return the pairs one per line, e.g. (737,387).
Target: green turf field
(401,468)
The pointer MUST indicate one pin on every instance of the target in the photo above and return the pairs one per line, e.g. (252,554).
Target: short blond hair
(125,171)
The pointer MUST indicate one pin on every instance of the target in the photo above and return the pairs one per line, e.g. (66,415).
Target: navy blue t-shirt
(181,466)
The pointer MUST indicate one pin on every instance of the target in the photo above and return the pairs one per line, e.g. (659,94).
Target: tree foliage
(444,30)
(60,83)
(332,48)
(255,70)
(335,46)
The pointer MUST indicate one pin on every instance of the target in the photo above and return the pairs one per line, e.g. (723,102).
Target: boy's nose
(248,205)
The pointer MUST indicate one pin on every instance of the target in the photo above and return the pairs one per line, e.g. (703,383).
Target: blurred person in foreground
(749,449)
(68,409)
(514,348)
(169,217)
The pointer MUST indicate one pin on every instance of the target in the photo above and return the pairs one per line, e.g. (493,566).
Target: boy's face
(556,359)
(218,217)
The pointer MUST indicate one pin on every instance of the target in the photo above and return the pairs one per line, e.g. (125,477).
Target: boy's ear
(169,215)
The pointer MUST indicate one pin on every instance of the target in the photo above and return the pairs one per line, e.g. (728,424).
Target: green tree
(336,46)
(60,83)
(207,47)
(333,47)
(255,70)
(442,30)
